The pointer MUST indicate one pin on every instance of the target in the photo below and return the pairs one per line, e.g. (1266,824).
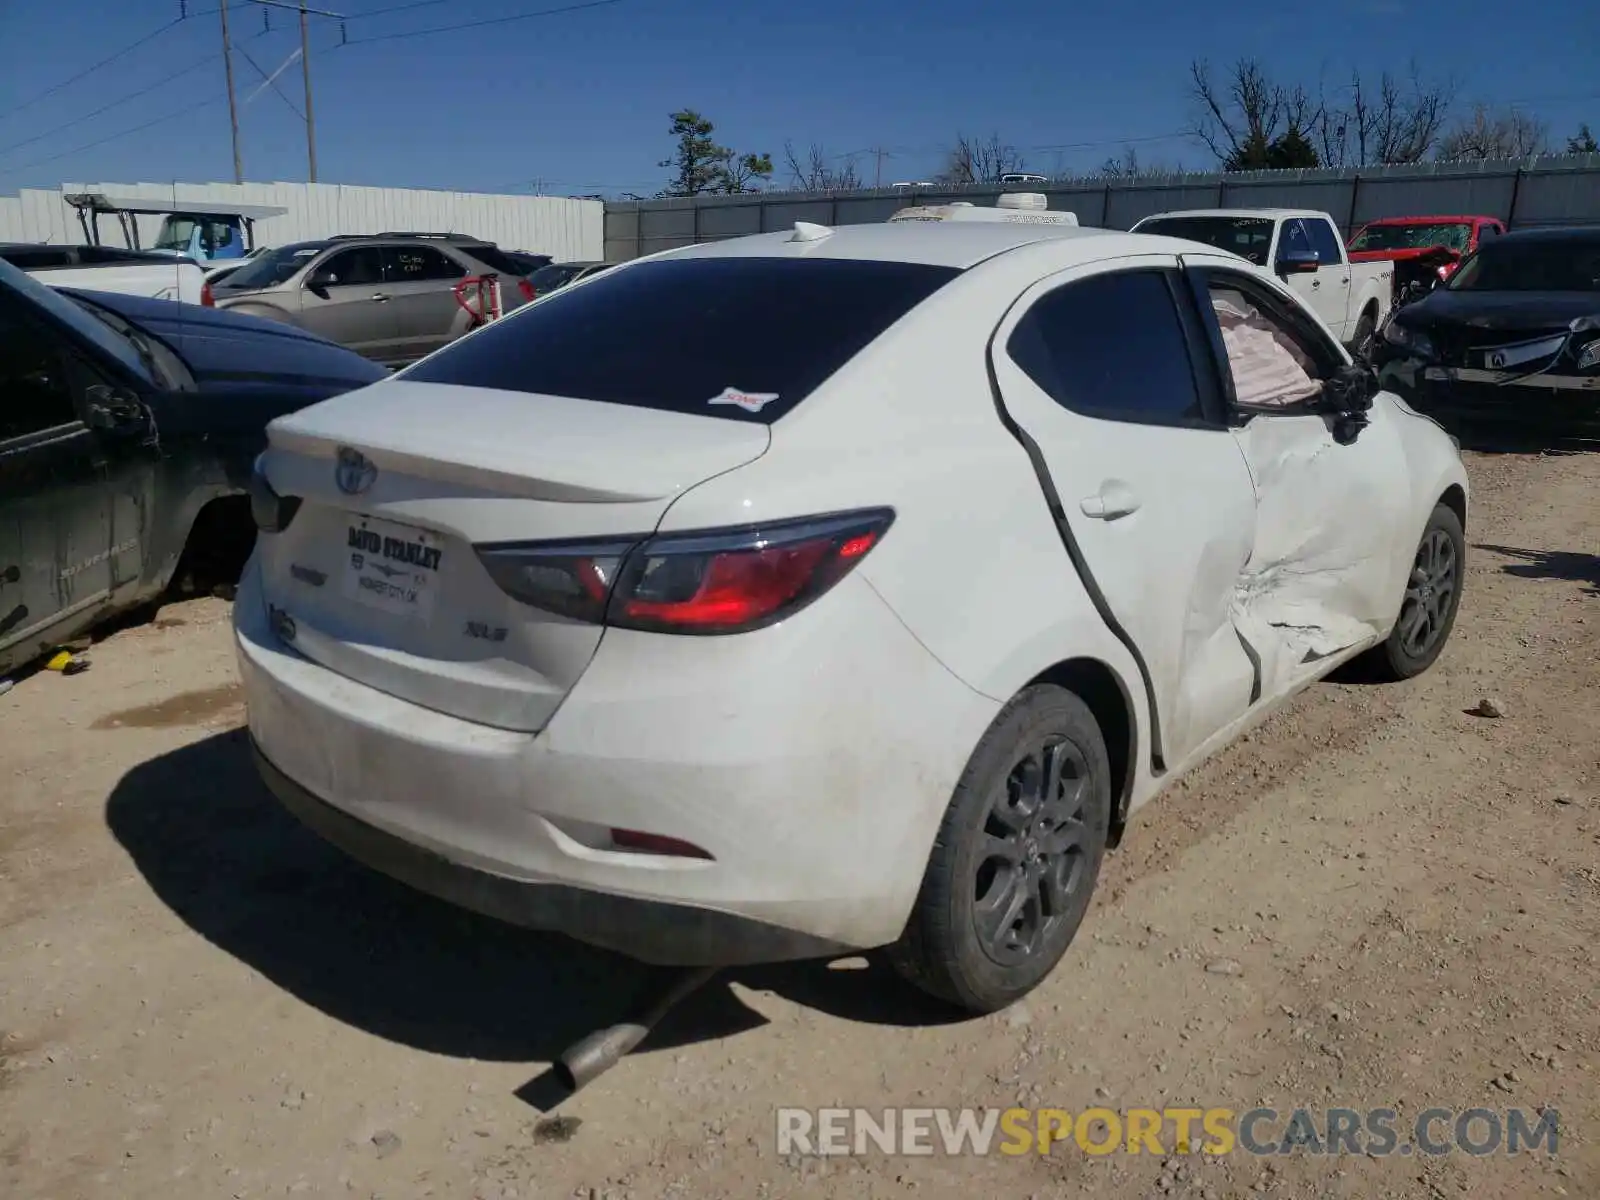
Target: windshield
(175,233)
(1454,234)
(75,317)
(1248,237)
(275,267)
(743,339)
(1566,264)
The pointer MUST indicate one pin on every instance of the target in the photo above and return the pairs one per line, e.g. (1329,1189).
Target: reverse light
(711,582)
(270,511)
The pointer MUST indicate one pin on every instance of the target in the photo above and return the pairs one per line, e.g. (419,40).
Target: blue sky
(578,101)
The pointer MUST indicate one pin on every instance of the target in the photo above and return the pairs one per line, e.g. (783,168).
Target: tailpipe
(585,1060)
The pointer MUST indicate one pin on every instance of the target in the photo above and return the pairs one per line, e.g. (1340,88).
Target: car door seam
(1069,542)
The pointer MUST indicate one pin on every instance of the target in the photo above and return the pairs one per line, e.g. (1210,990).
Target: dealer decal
(751,402)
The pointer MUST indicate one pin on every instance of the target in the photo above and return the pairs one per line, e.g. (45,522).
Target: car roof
(933,243)
(1551,233)
(1448,220)
(1265,213)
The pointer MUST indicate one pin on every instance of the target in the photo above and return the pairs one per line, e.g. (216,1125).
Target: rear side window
(1111,346)
(418,264)
(741,338)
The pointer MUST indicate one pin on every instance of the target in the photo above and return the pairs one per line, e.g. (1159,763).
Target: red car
(1422,243)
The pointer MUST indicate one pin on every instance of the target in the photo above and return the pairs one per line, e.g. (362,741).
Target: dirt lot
(1377,899)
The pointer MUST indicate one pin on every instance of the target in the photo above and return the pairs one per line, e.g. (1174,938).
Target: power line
(107,107)
(187,110)
(87,71)
(547,12)
(394,8)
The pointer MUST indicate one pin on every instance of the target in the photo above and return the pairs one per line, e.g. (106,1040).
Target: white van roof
(1014,208)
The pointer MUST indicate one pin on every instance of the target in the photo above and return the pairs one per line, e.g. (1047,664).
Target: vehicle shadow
(1550,564)
(222,854)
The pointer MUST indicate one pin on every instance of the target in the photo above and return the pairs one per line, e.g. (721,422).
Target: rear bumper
(812,760)
(650,930)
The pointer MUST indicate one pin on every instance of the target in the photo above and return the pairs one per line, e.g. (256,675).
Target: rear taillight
(527,289)
(206,298)
(719,581)
(270,511)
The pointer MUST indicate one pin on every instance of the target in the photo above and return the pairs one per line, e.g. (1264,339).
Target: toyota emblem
(1497,359)
(355,472)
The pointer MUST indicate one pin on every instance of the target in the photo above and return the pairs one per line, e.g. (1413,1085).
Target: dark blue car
(127,431)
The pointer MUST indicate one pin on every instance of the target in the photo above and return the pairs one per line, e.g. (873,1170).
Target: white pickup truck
(1302,246)
(109,269)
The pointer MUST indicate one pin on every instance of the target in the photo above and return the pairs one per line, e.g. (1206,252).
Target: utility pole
(311,121)
(233,106)
(880,154)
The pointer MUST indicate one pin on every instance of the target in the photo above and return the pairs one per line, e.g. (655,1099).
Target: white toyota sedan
(830,589)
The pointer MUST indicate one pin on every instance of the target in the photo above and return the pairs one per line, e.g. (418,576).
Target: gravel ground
(1377,899)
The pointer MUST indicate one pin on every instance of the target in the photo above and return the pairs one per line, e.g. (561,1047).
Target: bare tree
(1243,116)
(816,175)
(1128,166)
(1400,123)
(974,161)
(1487,135)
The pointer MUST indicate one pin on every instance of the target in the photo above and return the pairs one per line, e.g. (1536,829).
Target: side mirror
(1297,262)
(320,281)
(114,411)
(1347,398)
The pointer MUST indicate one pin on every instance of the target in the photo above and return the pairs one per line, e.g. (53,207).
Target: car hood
(1503,311)
(235,354)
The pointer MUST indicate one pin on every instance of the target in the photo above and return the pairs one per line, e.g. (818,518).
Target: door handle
(1316,283)
(1114,499)
(380,298)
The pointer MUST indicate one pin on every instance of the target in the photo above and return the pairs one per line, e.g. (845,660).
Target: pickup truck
(110,269)
(1304,247)
(1425,251)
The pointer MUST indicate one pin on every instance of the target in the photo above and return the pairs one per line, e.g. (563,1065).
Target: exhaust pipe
(584,1061)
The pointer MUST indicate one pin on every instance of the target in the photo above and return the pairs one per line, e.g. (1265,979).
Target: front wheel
(1366,327)
(1432,599)
(1016,858)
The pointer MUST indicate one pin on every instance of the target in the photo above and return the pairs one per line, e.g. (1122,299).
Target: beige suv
(388,296)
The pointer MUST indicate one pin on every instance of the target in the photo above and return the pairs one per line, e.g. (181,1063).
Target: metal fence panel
(1550,191)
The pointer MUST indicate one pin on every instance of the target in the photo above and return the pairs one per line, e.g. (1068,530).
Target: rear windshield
(551,276)
(1248,237)
(496,259)
(275,267)
(742,338)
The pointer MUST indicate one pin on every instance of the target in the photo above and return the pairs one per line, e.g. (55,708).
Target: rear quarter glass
(743,339)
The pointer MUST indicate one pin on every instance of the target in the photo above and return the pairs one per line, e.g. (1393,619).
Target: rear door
(1097,365)
(420,281)
(56,552)
(344,299)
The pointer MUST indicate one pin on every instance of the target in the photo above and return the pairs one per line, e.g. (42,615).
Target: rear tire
(1432,599)
(1016,858)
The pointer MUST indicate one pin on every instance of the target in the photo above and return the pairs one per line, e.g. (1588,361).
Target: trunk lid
(377,571)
